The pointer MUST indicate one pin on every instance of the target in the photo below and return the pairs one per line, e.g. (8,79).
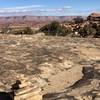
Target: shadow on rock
(88,75)
(57,96)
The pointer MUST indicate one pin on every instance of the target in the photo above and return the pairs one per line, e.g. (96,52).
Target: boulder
(94,17)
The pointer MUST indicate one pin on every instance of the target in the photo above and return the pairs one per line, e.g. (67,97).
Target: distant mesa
(32,20)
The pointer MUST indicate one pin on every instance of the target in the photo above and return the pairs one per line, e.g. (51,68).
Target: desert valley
(54,58)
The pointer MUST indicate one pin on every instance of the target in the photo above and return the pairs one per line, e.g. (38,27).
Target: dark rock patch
(57,96)
(88,74)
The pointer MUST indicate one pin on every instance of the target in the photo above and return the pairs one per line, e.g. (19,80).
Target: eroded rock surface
(50,68)
(94,17)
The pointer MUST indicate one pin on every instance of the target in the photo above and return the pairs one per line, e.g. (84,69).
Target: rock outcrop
(94,17)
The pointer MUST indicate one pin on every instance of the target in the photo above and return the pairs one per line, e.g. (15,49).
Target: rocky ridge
(94,17)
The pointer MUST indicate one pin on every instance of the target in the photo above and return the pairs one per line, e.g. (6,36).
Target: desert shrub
(51,29)
(78,20)
(87,30)
(55,29)
(63,31)
(82,32)
(26,30)
(94,25)
(7,30)
(97,35)
(18,32)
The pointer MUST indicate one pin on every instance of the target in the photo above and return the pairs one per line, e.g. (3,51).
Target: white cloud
(63,9)
(20,9)
(67,7)
(25,7)
(32,10)
(43,10)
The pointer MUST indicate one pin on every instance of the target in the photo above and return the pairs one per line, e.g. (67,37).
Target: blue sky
(48,7)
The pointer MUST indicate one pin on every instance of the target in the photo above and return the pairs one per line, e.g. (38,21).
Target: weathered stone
(94,17)
(50,64)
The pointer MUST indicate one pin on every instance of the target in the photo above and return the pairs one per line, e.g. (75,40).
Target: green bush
(87,30)
(26,30)
(18,32)
(7,30)
(55,29)
(78,20)
(97,35)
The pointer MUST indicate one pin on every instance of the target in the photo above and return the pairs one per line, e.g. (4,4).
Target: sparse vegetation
(6,30)
(97,35)
(78,27)
(87,30)
(26,30)
(78,20)
(55,29)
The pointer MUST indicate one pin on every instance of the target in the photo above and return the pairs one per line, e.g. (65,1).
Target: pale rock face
(66,64)
(63,79)
(46,70)
(91,53)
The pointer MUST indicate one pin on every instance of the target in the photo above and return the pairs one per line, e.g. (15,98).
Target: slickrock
(63,79)
(50,68)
